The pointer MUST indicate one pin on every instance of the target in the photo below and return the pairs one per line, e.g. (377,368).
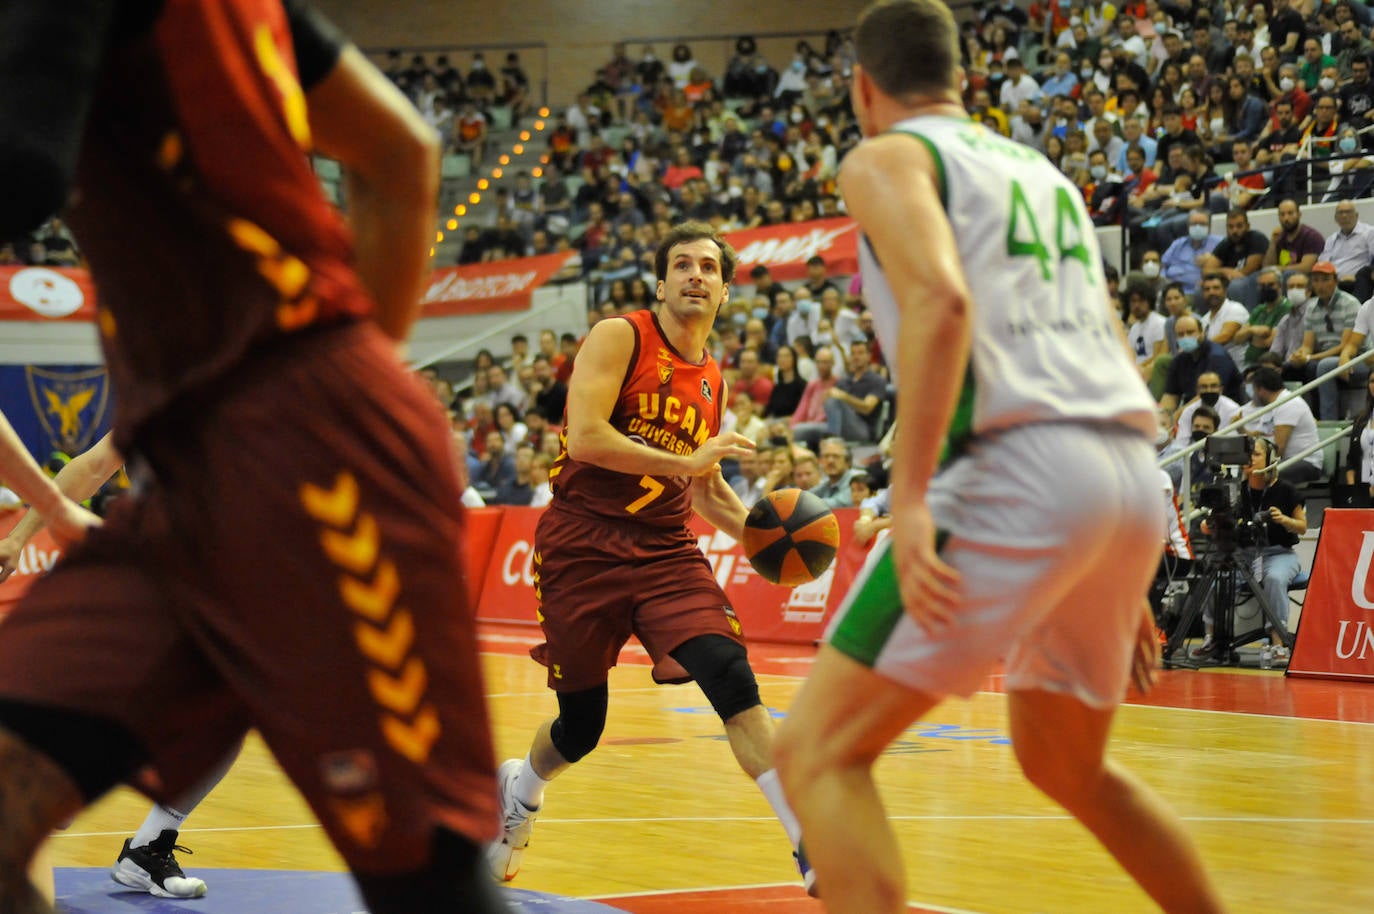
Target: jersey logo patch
(665,372)
(706,390)
(733,620)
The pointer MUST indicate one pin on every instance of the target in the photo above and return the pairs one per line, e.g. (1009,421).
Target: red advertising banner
(768,612)
(785,249)
(46,293)
(1336,629)
(480,288)
(38,556)
(61,293)
(481,526)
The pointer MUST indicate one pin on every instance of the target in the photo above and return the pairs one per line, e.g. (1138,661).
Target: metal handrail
(1245,419)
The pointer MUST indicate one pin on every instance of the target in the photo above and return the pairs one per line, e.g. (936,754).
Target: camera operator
(1275,504)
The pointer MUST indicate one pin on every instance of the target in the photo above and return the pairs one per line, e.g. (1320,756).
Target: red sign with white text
(785,249)
(1336,629)
(36,558)
(46,293)
(480,288)
(768,612)
(62,293)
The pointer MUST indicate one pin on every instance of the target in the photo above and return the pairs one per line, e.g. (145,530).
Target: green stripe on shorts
(871,611)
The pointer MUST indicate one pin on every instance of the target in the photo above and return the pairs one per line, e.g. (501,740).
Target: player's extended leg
(51,764)
(558,745)
(720,666)
(1061,744)
(148,860)
(841,721)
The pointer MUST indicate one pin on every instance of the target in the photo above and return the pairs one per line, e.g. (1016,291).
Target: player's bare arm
(718,504)
(889,187)
(68,520)
(81,478)
(592,394)
(392,172)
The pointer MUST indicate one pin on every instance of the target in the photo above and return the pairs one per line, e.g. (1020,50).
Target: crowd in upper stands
(1162,113)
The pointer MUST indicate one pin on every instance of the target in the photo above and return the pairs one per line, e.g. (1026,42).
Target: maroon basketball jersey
(207,232)
(667,401)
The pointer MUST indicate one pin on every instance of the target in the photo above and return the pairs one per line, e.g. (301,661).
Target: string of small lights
(496,174)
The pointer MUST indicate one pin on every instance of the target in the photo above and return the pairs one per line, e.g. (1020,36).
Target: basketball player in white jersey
(1031,530)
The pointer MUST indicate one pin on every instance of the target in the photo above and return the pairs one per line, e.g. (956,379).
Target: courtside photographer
(1259,518)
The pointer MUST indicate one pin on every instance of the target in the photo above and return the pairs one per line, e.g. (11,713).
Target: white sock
(529,786)
(160,819)
(772,790)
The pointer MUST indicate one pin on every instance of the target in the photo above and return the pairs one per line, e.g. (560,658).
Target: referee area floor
(1275,778)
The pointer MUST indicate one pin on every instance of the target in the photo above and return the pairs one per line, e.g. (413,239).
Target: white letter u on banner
(1361,575)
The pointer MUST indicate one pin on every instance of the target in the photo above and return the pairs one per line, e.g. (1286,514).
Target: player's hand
(9,557)
(706,459)
(1145,656)
(69,522)
(1276,515)
(929,587)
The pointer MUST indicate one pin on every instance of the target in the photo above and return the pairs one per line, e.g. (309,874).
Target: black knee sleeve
(456,879)
(581,718)
(720,666)
(96,753)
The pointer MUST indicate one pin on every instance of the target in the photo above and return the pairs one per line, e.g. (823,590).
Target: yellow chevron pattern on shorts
(384,632)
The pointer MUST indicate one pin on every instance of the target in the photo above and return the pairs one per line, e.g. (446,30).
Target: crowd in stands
(808,407)
(1162,113)
(51,245)
(651,142)
(455,105)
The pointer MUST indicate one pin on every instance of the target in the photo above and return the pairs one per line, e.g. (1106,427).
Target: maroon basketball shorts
(600,581)
(290,562)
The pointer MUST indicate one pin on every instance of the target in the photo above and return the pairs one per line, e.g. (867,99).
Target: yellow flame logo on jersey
(665,372)
(70,405)
(733,620)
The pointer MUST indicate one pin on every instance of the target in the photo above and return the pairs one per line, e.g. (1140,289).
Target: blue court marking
(82,890)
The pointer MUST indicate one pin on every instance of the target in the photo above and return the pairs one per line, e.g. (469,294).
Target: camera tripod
(1221,569)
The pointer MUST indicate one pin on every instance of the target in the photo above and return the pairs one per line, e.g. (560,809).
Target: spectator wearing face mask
(1182,261)
(1197,355)
(1272,307)
(1209,397)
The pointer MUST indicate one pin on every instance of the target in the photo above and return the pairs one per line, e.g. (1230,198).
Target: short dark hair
(686,232)
(1214,277)
(1267,379)
(815,260)
(758,272)
(1206,412)
(908,46)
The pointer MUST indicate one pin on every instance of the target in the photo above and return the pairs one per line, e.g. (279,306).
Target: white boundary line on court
(761,885)
(626,820)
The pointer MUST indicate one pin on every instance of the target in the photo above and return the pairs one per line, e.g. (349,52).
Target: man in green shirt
(1265,316)
(1313,62)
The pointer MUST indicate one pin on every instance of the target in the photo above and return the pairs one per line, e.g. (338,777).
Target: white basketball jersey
(1044,348)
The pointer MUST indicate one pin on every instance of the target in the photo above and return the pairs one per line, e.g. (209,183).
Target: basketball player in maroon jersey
(290,557)
(613,553)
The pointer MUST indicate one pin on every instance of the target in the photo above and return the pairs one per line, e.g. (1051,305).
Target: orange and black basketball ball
(790,537)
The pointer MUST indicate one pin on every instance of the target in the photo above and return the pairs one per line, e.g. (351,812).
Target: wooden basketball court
(1275,778)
